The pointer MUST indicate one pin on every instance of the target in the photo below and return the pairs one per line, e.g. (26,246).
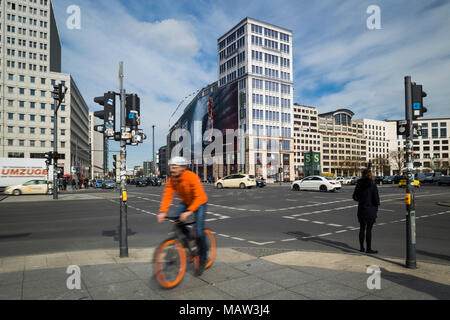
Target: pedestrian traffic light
(417,100)
(108,115)
(133,111)
(59,93)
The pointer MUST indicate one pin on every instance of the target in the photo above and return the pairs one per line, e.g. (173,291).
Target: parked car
(260,182)
(432,177)
(347,180)
(444,180)
(354,180)
(242,181)
(154,181)
(341,180)
(389,180)
(378,180)
(404,181)
(142,182)
(30,187)
(317,183)
(99,184)
(109,184)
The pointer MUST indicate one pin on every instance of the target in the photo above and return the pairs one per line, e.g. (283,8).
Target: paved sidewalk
(236,275)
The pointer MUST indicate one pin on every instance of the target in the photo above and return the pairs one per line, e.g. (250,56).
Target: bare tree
(398,158)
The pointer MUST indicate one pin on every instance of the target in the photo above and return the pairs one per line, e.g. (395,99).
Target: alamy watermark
(374,20)
(374,281)
(74,280)
(74,20)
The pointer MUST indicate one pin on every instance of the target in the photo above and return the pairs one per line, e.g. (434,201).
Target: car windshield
(109,181)
(428,174)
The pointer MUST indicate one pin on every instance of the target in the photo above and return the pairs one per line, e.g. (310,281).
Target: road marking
(287,240)
(341,231)
(318,222)
(335,225)
(261,243)
(223,235)
(239,239)
(325,235)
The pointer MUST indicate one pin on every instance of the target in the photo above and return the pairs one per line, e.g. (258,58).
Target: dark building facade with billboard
(216,109)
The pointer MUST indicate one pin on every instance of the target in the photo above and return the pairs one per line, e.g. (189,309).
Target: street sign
(402,128)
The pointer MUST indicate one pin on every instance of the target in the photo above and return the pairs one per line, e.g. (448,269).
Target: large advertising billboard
(215,109)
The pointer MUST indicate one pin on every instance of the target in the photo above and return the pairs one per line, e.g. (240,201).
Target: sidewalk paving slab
(235,275)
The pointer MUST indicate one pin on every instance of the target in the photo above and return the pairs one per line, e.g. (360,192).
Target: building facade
(307,137)
(377,135)
(344,146)
(258,56)
(96,142)
(30,65)
(431,149)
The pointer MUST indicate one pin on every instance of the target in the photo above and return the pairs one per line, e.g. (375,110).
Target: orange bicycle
(170,257)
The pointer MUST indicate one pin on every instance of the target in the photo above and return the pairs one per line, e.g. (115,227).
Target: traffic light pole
(123,168)
(410,197)
(55,150)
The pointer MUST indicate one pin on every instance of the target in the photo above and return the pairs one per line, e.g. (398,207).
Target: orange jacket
(189,189)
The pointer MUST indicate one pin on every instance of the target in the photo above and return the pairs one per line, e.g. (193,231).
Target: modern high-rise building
(30,65)
(258,56)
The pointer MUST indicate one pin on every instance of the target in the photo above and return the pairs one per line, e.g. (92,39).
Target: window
(42,130)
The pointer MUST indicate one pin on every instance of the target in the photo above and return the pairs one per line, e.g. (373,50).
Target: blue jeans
(200,215)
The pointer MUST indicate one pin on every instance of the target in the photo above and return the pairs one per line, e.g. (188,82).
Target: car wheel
(296,187)
(219,186)
(17,193)
(323,188)
(242,186)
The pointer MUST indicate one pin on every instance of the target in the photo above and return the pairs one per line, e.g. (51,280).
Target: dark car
(444,180)
(378,180)
(389,180)
(155,181)
(354,180)
(109,184)
(260,182)
(141,182)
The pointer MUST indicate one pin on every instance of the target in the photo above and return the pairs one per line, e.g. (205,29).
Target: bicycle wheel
(211,255)
(170,263)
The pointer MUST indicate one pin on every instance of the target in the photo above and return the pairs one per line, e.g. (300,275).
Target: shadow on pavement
(435,289)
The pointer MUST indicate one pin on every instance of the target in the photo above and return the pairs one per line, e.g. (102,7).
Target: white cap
(179,161)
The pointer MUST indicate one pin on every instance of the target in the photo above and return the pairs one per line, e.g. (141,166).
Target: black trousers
(365,233)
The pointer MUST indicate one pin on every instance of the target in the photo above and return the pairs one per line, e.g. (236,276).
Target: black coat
(366,193)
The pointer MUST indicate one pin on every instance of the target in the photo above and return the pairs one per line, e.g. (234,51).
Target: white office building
(431,150)
(96,142)
(259,56)
(30,65)
(378,145)
(307,137)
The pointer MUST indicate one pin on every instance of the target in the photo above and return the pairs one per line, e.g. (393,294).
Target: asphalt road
(266,220)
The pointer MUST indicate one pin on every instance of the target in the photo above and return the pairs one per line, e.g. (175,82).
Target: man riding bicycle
(193,200)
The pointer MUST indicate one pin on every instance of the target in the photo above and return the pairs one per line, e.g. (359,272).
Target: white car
(30,187)
(317,183)
(242,181)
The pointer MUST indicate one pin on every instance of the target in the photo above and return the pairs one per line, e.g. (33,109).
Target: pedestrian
(65,184)
(366,193)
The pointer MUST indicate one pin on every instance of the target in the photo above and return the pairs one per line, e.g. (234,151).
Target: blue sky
(169,50)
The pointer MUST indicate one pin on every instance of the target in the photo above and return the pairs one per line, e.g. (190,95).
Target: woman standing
(366,193)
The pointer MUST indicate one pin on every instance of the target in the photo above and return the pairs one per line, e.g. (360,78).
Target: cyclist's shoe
(200,269)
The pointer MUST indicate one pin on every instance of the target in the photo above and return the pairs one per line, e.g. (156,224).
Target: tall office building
(30,65)
(258,56)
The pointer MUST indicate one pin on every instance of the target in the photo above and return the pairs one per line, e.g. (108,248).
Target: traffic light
(115,162)
(59,93)
(133,111)
(48,158)
(417,100)
(108,115)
